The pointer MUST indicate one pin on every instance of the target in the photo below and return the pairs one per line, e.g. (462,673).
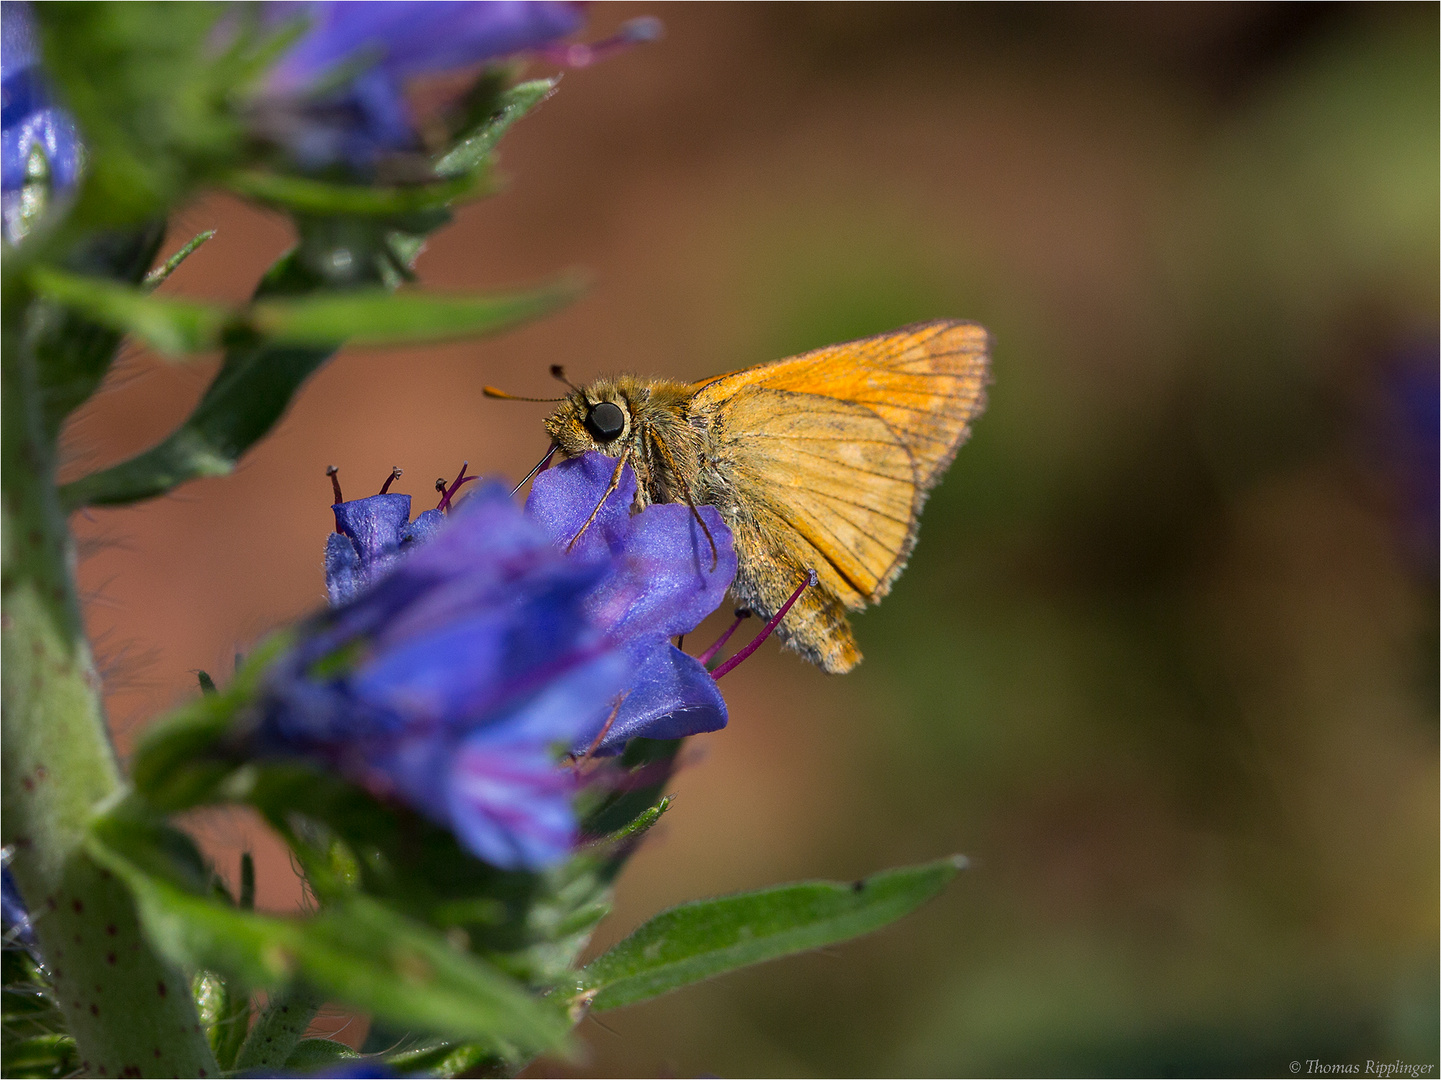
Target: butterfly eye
(605,421)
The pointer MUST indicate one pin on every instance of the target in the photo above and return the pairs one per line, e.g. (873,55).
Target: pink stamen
(635,32)
(741,616)
(755,642)
(396,472)
(449,492)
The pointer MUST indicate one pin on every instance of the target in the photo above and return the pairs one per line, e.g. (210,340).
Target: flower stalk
(126,1008)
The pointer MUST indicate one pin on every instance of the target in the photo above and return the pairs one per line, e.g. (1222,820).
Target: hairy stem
(279,1029)
(130,1012)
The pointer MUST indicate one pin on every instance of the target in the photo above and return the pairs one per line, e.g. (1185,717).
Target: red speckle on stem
(110,958)
(161,988)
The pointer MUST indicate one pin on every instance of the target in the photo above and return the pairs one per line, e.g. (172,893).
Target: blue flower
(1403,433)
(370,535)
(451,674)
(39,149)
(338,95)
(664,585)
(450,682)
(14,916)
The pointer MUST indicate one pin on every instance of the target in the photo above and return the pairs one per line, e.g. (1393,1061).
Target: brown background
(1164,664)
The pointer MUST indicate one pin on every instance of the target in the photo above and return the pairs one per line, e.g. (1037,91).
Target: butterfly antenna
(501,395)
(558,372)
(689,500)
(542,463)
(609,489)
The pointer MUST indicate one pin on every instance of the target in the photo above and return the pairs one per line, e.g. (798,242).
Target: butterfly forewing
(832,471)
(927,382)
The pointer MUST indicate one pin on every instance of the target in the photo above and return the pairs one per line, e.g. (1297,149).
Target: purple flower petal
(563,497)
(373,49)
(672,696)
(407,38)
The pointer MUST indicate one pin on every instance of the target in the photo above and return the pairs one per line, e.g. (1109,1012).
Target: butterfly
(820,462)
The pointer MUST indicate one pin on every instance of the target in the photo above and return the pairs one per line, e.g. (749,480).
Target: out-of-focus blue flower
(364,1068)
(338,95)
(1405,441)
(39,149)
(665,584)
(13,913)
(371,534)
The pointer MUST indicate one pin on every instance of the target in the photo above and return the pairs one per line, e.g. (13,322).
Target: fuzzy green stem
(130,1012)
(279,1029)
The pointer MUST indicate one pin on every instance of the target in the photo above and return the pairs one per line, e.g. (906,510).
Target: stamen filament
(742,614)
(449,492)
(396,472)
(333,471)
(755,642)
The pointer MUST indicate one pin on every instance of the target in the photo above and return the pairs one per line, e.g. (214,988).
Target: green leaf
(72,352)
(358,951)
(183,758)
(376,317)
(177,327)
(312,1054)
(173,326)
(163,271)
(449,1059)
(244,400)
(42,1056)
(473,150)
(302,195)
(710,937)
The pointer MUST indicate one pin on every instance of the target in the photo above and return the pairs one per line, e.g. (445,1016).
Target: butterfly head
(595,417)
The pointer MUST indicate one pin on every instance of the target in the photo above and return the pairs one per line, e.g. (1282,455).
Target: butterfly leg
(689,498)
(609,490)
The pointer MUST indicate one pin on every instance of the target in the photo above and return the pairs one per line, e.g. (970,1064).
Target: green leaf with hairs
(355,950)
(303,195)
(173,326)
(473,150)
(376,317)
(706,938)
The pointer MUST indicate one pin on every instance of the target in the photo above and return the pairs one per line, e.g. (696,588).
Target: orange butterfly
(822,461)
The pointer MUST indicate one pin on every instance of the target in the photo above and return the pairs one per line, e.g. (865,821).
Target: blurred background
(1164,664)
